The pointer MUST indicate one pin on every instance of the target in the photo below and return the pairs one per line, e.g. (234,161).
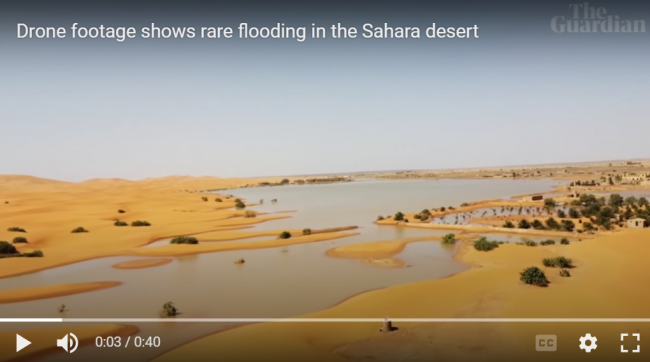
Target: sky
(75,109)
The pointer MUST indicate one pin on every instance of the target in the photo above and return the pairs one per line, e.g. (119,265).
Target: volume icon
(68,344)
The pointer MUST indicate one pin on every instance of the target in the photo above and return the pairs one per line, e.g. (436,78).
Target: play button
(21,342)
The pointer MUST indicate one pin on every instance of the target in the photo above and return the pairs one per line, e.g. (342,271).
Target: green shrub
(121,211)
(464,204)
(169,310)
(564,241)
(563,262)
(33,254)
(534,276)
(549,202)
(483,244)
(16,230)
(399,216)
(529,242)
(120,223)
(250,214)
(306,231)
(523,224)
(380,218)
(508,224)
(239,204)
(548,262)
(552,224)
(284,235)
(218,199)
(20,240)
(558,262)
(561,214)
(184,240)
(416,216)
(6,248)
(140,223)
(547,242)
(79,230)
(564,273)
(568,225)
(449,239)
(538,225)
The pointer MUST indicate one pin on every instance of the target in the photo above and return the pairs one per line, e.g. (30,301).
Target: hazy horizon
(352,172)
(520,94)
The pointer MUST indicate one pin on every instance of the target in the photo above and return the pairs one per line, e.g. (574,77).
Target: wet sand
(51,291)
(142,263)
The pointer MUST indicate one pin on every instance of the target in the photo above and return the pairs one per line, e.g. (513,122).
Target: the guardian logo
(588,19)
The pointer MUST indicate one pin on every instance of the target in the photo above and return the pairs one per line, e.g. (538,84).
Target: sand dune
(51,211)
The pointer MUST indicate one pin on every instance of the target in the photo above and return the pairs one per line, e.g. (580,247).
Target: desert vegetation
(120,223)
(483,244)
(558,262)
(284,235)
(306,231)
(449,239)
(20,240)
(8,250)
(169,310)
(534,276)
(140,223)
(564,273)
(184,240)
(79,230)
(250,214)
(239,204)
(15,229)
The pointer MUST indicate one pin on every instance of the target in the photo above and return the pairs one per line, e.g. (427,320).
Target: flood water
(274,282)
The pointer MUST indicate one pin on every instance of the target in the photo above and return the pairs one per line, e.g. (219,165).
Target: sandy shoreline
(51,291)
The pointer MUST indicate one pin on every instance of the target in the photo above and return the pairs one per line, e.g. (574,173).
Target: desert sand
(44,339)
(51,291)
(606,282)
(49,210)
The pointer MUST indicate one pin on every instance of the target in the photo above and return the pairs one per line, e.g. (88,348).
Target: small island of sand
(143,263)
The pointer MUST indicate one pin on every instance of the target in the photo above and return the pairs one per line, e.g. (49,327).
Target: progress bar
(324,320)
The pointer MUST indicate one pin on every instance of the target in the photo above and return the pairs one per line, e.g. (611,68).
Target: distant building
(637,223)
(534,198)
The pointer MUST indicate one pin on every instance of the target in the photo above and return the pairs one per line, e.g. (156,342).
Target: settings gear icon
(592,342)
